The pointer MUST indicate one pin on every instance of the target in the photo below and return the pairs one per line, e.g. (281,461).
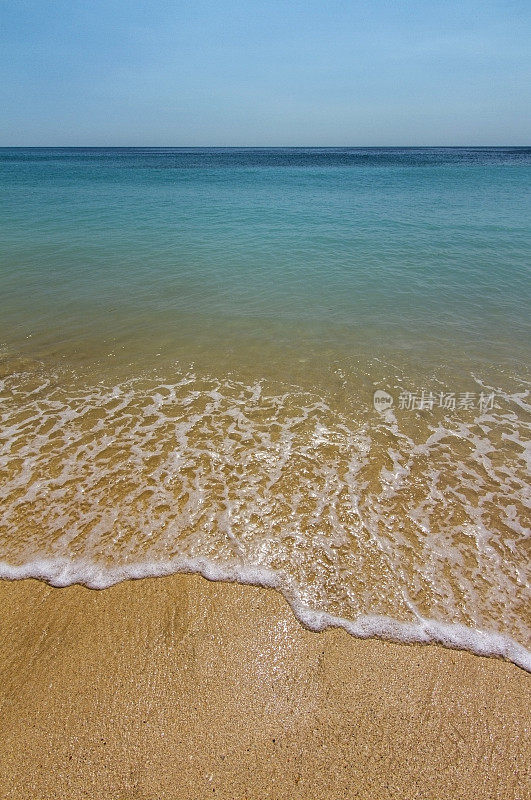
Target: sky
(264,72)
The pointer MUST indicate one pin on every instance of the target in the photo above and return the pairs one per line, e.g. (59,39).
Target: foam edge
(61,572)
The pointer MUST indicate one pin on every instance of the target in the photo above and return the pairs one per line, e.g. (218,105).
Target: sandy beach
(265,352)
(176,687)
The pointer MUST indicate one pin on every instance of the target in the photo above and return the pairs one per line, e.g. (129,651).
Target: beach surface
(170,688)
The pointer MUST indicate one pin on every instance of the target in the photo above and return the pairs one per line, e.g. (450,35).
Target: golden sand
(172,688)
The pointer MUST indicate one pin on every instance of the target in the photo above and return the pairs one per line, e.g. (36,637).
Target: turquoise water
(190,345)
(415,251)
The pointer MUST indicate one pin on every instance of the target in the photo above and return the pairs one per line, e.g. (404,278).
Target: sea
(305,368)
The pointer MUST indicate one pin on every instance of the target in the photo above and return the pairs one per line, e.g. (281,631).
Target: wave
(62,572)
(407,527)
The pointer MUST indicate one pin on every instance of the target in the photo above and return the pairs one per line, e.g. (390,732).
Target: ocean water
(190,345)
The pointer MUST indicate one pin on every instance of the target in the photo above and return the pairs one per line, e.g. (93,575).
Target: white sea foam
(62,572)
(409,529)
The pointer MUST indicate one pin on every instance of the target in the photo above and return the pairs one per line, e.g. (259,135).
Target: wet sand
(172,688)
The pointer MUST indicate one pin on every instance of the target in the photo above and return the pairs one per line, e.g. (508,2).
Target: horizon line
(255,146)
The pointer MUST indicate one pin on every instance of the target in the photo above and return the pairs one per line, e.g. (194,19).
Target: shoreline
(62,573)
(178,687)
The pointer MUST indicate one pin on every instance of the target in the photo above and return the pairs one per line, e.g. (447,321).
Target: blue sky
(265,72)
